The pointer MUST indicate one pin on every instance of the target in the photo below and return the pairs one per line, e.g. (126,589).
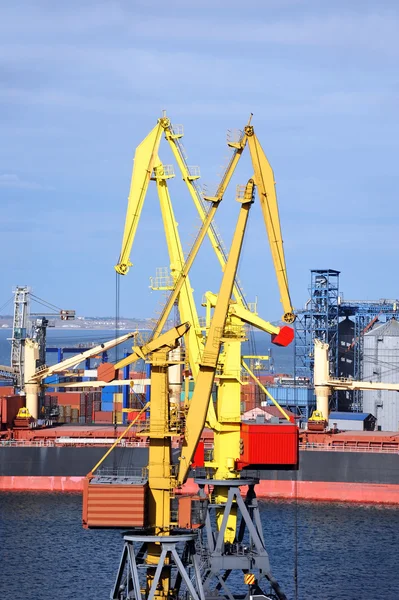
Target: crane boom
(144,159)
(68,363)
(281,336)
(264,180)
(187,308)
(203,388)
(239,147)
(324,385)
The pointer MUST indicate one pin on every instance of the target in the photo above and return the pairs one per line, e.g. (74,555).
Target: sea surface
(345,552)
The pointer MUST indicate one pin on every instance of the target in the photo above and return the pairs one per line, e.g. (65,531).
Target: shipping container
(109,389)
(133,414)
(114,505)
(103,417)
(10,406)
(107,406)
(269,445)
(295,395)
(6,390)
(67,398)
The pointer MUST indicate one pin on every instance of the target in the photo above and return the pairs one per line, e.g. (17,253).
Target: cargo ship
(346,466)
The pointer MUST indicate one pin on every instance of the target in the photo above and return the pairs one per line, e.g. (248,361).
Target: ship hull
(325,476)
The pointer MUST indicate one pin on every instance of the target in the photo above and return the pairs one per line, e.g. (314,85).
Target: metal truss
(247,553)
(178,560)
(319,320)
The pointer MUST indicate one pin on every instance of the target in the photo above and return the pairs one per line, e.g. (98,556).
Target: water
(345,552)
(282,357)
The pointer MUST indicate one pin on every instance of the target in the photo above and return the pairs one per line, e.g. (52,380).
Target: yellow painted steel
(189,181)
(197,411)
(178,285)
(144,159)
(194,339)
(245,315)
(264,180)
(265,390)
(141,352)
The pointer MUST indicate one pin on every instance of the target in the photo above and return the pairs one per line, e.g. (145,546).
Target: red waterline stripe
(41,484)
(368,493)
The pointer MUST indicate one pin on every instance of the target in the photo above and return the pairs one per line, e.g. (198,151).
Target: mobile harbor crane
(218,553)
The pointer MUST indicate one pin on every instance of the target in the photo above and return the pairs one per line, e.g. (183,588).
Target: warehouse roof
(348,416)
(390,328)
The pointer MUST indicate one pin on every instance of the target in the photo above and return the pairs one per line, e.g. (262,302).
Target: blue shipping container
(299,396)
(110,389)
(107,406)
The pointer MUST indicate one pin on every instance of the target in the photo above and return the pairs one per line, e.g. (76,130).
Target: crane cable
(6,303)
(296,536)
(117,308)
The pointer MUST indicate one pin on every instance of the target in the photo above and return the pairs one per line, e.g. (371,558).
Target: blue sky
(83,82)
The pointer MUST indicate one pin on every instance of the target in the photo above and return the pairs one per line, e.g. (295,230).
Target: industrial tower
(319,320)
(323,318)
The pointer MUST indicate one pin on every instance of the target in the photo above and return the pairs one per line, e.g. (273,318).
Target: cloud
(13,181)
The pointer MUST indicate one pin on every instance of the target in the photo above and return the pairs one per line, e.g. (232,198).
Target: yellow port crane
(225,420)
(227,314)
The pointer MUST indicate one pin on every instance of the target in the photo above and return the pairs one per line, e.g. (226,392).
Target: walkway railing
(76,442)
(394,449)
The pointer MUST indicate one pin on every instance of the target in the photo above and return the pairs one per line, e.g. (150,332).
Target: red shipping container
(7,390)
(10,406)
(269,445)
(68,398)
(103,416)
(132,415)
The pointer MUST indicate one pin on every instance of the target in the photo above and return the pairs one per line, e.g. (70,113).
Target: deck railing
(394,449)
(75,442)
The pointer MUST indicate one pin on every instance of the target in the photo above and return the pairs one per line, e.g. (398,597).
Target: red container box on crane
(269,445)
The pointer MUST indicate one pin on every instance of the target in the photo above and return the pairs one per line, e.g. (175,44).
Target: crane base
(247,553)
(178,559)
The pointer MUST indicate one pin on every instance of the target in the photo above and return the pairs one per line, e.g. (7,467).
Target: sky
(83,82)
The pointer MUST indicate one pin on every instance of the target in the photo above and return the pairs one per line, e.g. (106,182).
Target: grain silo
(381,363)
(346,334)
